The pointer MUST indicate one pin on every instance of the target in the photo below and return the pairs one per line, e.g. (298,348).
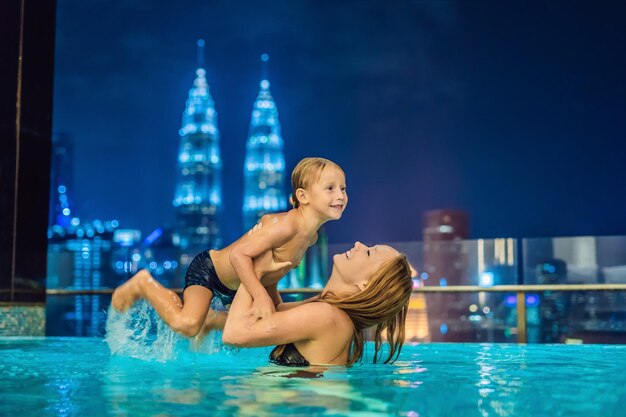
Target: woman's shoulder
(329,329)
(327,313)
(307,322)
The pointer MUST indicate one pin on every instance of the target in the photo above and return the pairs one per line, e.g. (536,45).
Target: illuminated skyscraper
(264,168)
(198,196)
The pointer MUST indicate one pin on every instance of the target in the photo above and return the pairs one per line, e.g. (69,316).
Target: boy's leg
(190,319)
(214,320)
(186,319)
(126,294)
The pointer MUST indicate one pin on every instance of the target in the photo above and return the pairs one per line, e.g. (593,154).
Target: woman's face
(361,262)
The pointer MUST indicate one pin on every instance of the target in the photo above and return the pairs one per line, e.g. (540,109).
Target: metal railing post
(521,317)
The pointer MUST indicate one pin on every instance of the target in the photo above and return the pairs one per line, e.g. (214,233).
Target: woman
(369,286)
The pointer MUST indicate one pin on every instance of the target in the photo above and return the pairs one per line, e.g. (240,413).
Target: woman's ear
(302,195)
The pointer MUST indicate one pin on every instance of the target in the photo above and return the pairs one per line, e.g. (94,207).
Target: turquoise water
(79,377)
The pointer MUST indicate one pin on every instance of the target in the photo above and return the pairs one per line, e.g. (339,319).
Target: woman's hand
(262,307)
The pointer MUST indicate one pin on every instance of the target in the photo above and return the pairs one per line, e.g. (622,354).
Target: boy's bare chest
(292,252)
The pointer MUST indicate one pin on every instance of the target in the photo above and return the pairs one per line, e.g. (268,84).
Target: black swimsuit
(202,272)
(288,355)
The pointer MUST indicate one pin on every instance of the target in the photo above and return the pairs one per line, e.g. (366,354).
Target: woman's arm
(305,322)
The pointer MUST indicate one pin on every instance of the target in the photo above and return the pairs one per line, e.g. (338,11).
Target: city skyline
(425,109)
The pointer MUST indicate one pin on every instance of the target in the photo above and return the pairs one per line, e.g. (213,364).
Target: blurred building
(264,167)
(159,254)
(126,258)
(198,195)
(416,327)
(79,253)
(80,257)
(61,208)
(445,263)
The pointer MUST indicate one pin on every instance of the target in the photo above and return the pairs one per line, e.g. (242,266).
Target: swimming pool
(79,377)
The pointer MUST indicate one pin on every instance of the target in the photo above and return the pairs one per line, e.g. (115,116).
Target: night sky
(512,111)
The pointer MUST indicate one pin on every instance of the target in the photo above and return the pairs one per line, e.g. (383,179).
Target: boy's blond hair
(306,172)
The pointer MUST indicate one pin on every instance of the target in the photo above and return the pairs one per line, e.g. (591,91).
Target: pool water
(80,377)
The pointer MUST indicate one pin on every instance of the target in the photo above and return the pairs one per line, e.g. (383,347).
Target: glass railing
(589,316)
(573,290)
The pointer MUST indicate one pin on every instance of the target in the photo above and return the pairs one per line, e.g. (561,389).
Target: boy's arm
(275,295)
(282,306)
(292,304)
(257,242)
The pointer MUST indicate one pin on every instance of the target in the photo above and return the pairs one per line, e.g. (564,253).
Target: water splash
(140,333)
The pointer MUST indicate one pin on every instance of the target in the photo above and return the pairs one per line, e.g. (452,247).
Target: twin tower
(198,196)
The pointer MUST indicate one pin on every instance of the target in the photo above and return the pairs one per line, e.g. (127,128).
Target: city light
(486,279)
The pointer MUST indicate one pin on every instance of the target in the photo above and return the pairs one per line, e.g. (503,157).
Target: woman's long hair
(383,303)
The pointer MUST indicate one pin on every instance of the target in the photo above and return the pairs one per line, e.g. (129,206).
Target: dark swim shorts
(202,272)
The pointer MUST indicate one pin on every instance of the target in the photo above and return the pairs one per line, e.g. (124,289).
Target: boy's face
(328,194)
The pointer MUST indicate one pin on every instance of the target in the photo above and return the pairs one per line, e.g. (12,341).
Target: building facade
(198,195)
(264,167)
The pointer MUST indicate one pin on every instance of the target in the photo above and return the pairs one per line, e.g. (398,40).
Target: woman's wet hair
(382,306)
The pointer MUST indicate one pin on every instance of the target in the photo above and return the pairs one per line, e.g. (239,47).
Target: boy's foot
(126,294)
